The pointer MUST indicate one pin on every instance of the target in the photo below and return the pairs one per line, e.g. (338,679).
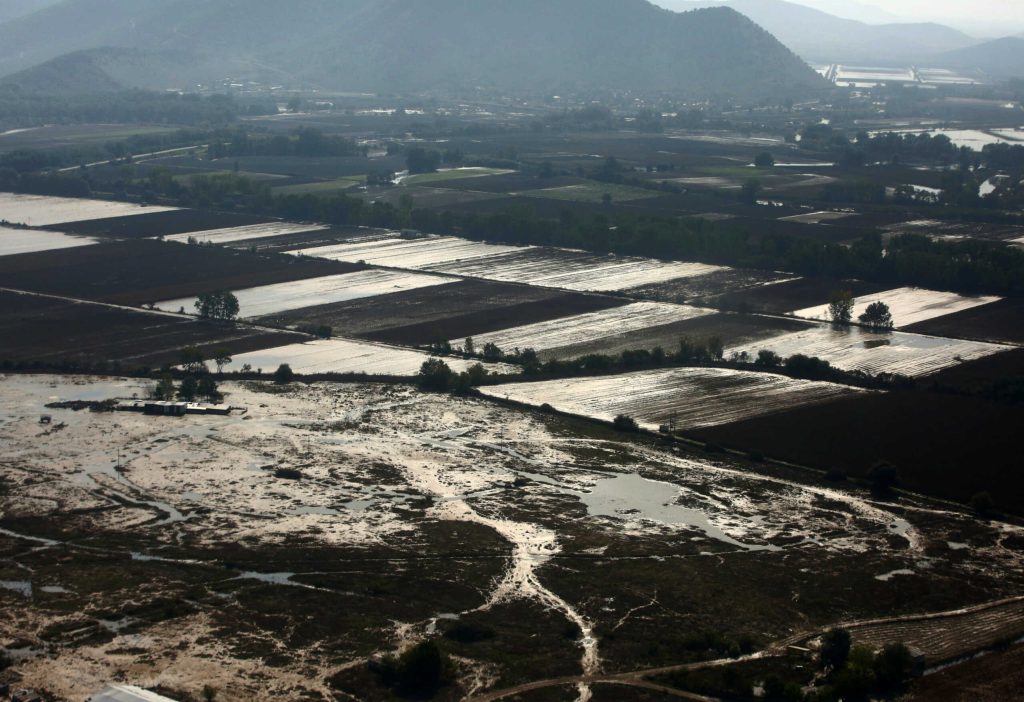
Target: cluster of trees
(220,305)
(21,108)
(437,376)
(303,142)
(877,316)
(855,673)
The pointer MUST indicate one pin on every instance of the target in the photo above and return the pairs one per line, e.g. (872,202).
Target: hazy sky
(992,17)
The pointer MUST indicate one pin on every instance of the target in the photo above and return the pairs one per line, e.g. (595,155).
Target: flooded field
(41,211)
(18,241)
(416,514)
(687,398)
(567,332)
(419,254)
(575,270)
(343,356)
(251,232)
(293,295)
(907,305)
(911,355)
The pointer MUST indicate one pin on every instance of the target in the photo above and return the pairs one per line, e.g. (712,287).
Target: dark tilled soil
(145,271)
(943,444)
(782,298)
(451,311)
(38,329)
(999,321)
(160,224)
(997,677)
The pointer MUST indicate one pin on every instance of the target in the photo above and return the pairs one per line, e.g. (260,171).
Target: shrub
(626,424)
(284,374)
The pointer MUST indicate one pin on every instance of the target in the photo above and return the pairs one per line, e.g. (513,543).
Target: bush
(884,477)
(284,374)
(893,666)
(835,649)
(288,474)
(626,424)
(983,504)
(422,670)
(435,375)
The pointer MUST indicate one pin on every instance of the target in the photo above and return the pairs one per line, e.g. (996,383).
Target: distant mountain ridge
(820,37)
(1002,58)
(12,9)
(411,45)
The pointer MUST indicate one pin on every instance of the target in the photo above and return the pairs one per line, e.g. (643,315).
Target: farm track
(951,635)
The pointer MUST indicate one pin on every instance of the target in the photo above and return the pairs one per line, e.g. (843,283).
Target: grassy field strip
(590,192)
(575,270)
(18,241)
(335,185)
(452,174)
(694,397)
(852,349)
(42,211)
(408,253)
(252,231)
(343,356)
(292,295)
(908,305)
(590,327)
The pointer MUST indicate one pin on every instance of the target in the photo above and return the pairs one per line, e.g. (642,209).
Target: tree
(189,389)
(469,348)
(222,357)
(420,160)
(767,358)
(192,360)
(840,307)
(435,375)
(764,160)
(165,389)
(877,316)
(492,352)
(207,388)
(209,693)
(983,504)
(422,669)
(625,423)
(284,374)
(884,477)
(835,649)
(220,305)
(893,666)
(716,348)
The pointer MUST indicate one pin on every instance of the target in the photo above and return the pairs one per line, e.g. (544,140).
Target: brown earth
(451,311)
(783,298)
(997,677)
(146,271)
(160,224)
(47,330)
(998,321)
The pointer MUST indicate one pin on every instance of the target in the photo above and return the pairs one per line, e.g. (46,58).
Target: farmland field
(591,192)
(1001,321)
(458,309)
(40,211)
(47,330)
(688,398)
(732,329)
(857,349)
(313,292)
(574,270)
(157,224)
(250,232)
(419,254)
(342,356)
(907,305)
(453,174)
(18,241)
(566,334)
(145,271)
(320,187)
(788,295)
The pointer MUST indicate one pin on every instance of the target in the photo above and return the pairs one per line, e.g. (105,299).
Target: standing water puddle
(630,495)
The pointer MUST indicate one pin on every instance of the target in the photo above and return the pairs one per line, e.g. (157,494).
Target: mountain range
(401,46)
(820,37)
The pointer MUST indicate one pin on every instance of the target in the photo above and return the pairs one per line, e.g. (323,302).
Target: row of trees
(877,316)
(305,142)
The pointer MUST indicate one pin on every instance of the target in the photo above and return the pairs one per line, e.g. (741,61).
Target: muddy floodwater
(271,552)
